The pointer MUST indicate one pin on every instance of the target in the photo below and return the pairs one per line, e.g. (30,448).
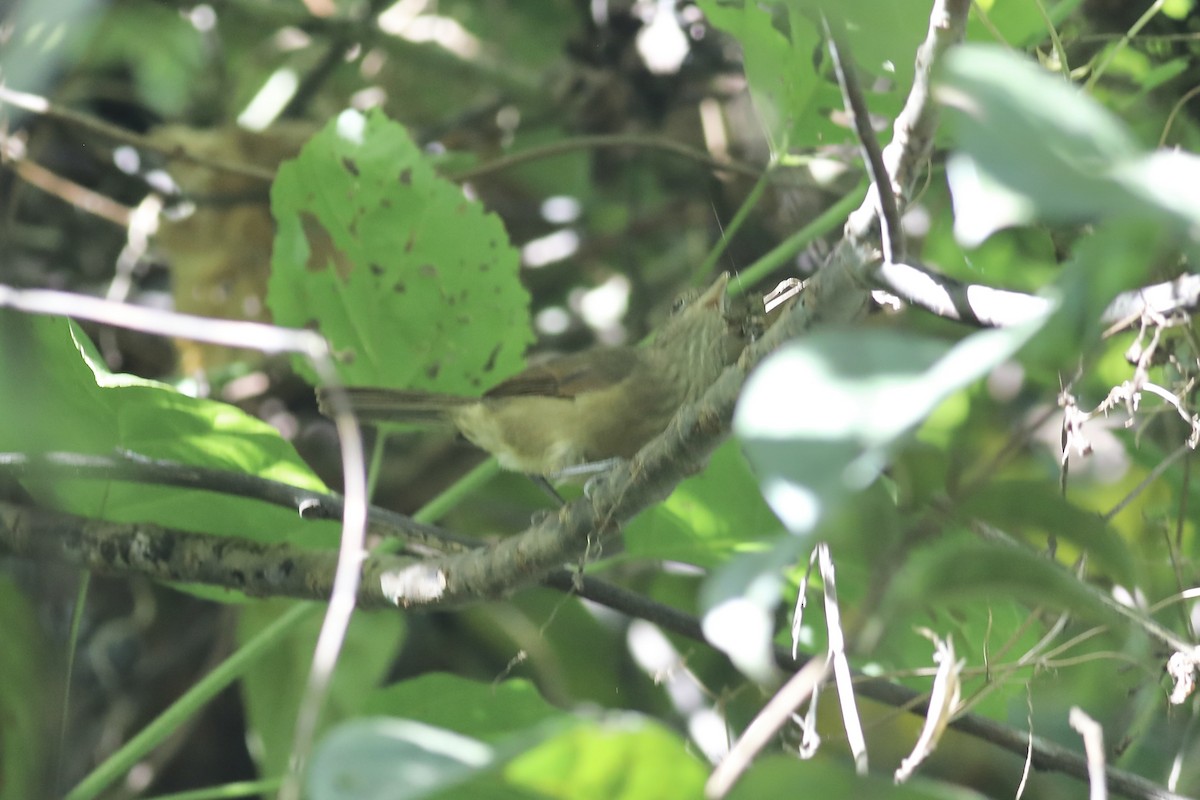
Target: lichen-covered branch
(416,538)
(168,554)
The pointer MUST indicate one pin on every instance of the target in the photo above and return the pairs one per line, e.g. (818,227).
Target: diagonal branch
(915,126)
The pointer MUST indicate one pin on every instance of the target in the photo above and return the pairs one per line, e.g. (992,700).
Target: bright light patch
(270,101)
(742,630)
(605,306)
(552,321)
(826,170)
(561,209)
(662,44)
(710,732)
(796,506)
(549,249)
(126,159)
(351,125)
(203,18)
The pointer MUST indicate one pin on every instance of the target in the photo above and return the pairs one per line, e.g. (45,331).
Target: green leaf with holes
(413,283)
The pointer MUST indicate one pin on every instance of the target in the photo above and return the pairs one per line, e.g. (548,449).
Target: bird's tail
(396,405)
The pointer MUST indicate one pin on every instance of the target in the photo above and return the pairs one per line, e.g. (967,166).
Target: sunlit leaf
(413,283)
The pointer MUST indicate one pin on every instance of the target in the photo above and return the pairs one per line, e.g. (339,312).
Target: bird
(575,415)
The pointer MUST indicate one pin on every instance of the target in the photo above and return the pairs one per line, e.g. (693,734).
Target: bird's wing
(571,375)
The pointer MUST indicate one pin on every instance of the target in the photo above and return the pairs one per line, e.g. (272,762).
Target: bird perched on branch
(573,415)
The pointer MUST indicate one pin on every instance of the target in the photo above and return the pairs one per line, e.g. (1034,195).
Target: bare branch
(40,105)
(988,307)
(885,191)
(417,538)
(914,129)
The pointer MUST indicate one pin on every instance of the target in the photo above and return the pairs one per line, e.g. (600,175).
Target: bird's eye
(684,299)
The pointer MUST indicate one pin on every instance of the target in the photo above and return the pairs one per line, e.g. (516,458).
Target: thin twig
(40,105)
(602,141)
(66,190)
(891,234)
(915,126)
(415,537)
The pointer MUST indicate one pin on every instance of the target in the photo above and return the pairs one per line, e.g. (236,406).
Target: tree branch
(169,554)
(885,191)
(915,126)
(416,538)
(40,105)
(988,307)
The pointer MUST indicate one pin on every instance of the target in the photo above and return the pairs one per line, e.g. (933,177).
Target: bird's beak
(714,296)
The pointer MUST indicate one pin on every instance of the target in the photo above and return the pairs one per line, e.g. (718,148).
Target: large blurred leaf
(962,569)
(414,284)
(454,731)
(482,710)
(160,47)
(25,728)
(1031,146)
(1017,24)
(819,415)
(40,34)
(621,757)
(273,687)
(817,420)
(381,758)
(1117,255)
(778,776)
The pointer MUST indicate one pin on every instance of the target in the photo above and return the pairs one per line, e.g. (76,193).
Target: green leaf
(414,284)
(551,753)
(393,759)
(1116,256)
(707,518)
(778,776)
(1033,147)
(1013,506)
(962,569)
(779,66)
(69,402)
(41,35)
(740,597)
(621,757)
(24,697)
(819,415)
(1020,25)
(487,711)
(818,419)
(158,45)
(273,687)
(1030,144)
